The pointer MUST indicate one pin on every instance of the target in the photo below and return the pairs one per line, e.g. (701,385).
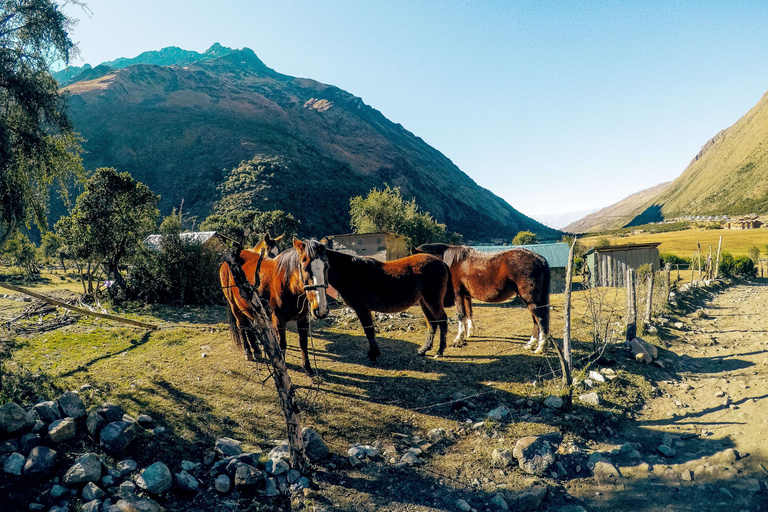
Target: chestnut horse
(294,284)
(269,245)
(496,277)
(367,285)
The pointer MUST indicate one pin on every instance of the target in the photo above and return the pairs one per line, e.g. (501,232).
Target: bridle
(310,287)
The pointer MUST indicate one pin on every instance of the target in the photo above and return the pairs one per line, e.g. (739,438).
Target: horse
(293,283)
(367,284)
(496,277)
(269,245)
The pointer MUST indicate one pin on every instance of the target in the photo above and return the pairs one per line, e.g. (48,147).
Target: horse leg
(366,320)
(541,324)
(461,316)
(468,308)
(302,326)
(431,330)
(279,325)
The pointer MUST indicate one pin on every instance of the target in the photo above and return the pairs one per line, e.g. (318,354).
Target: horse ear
(279,238)
(324,241)
(298,245)
(266,237)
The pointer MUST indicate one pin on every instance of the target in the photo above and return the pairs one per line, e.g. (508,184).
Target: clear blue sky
(554,106)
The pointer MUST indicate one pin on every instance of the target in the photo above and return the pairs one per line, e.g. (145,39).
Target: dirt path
(712,410)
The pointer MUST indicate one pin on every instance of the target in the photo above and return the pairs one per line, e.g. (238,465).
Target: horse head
(313,266)
(270,245)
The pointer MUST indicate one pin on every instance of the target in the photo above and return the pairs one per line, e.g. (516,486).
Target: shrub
(739,266)
(673,259)
(525,238)
(754,254)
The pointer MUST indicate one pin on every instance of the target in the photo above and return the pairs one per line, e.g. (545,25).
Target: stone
(499,502)
(91,492)
(270,488)
(727,456)
(135,503)
(248,476)
(463,506)
(276,467)
(498,413)
(126,489)
(536,454)
(228,446)
(29,441)
(126,466)
(411,458)
(14,464)
(62,430)
(37,507)
(57,491)
(223,484)
(281,451)
(108,480)
(185,481)
(85,469)
(156,478)
(116,436)
(91,506)
(188,465)
(71,405)
(687,475)
(531,499)
(111,412)
(666,450)
(40,461)
(502,457)
(9,446)
(596,376)
(300,484)
(209,458)
(13,418)
(604,471)
(590,398)
(314,446)
(145,420)
(553,402)
(47,411)
(292,475)
(95,423)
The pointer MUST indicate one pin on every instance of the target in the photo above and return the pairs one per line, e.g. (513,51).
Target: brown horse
(269,245)
(496,277)
(367,285)
(294,284)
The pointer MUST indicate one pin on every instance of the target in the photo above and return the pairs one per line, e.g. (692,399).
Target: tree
(754,254)
(525,238)
(387,211)
(22,252)
(110,218)
(249,226)
(51,247)
(37,145)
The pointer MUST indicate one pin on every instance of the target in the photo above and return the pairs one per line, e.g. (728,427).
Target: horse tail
(545,282)
(450,298)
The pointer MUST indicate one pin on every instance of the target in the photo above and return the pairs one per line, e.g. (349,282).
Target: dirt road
(711,411)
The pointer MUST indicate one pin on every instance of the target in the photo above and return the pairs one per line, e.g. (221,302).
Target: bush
(739,266)
(525,238)
(754,254)
(672,259)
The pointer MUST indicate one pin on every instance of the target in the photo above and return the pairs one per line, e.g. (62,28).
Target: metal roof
(556,254)
(625,247)
(192,237)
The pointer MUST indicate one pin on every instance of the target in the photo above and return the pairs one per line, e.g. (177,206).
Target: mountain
(183,127)
(728,176)
(559,220)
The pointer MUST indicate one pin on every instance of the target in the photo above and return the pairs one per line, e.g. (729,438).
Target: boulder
(91,492)
(14,464)
(276,467)
(47,411)
(40,461)
(499,413)
(116,436)
(185,481)
(502,457)
(135,503)
(126,466)
(156,478)
(590,398)
(223,484)
(111,412)
(12,418)
(499,502)
(91,506)
(531,499)
(248,476)
(300,484)
(553,402)
(62,430)
(228,446)
(29,441)
(283,450)
(85,469)
(314,446)
(95,423)
(71,405)
(536,454)
(145,420)
(604,471)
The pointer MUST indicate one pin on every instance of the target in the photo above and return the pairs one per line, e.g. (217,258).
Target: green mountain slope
(182,129)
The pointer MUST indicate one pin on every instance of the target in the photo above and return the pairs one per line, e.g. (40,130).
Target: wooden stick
(649,299)
(717,265)
(78,310)
(631,306)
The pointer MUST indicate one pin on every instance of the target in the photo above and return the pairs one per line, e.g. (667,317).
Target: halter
(310,287)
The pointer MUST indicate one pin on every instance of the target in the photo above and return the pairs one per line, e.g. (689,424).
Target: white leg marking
(530,344)
(470,328)
(461,335)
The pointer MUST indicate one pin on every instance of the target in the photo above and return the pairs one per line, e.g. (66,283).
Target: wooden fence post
(717,263)
(265,334)
(667,280)
(631,306)
(568,358)
(649,298)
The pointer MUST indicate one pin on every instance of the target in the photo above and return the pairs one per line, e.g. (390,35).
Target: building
(556,255)
(209,239)
(744,223)
(607,266)
(380,246)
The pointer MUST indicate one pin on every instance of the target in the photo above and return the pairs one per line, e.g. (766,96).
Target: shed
(607,266)
(209,239)
(380,246)
(556,255)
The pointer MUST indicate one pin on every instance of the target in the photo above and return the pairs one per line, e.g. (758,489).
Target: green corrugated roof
(555,254)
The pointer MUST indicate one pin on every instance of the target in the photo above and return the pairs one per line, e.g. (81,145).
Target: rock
(29,441)
(536,454)
(687,475)
(209,458)
(292,475)
(228,446)
(498,413)
(499,502)
(436,435)
(91,491)
(47,411)
(185,481)
(727,456)
(145,420)
(14,464)
(411,458)
(301,483)
(502,457)
(270,488)
(71,405)
(596,376)
(111,412)
(91,506)
(116,436)
(188,465)
(530,500)
(62,430)
(248,476)
(9,446)
(463,506)
(643,351)
(85,469)
(107,480)
(281,451)
(553,402)
(12,418)
(95,423)
(314,446)
(276,467)
(590,398)
(357,452)
(156,478)
(604,471)
(40,461)
(126,466)
(666,450)
(126,489)
(223,484)
(57,491)
(135,503)
(38,507)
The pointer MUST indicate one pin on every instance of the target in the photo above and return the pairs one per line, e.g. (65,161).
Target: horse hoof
(541,348)
(421,352)
(459,344)
(438,355)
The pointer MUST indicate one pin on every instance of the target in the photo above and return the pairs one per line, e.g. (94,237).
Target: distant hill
(559,220)
(181,121)
(729,176)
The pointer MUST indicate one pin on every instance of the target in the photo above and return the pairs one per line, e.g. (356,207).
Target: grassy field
(683,243)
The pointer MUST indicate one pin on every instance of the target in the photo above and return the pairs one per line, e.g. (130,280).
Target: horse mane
(288,261)
(359,260)
(455,253)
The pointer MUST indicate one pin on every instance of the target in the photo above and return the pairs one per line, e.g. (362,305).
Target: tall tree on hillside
(37,145)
